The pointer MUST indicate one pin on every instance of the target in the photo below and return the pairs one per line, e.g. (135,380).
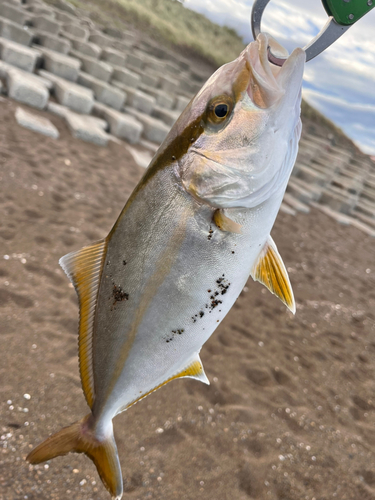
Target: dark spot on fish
(217,321)
(210,233)
(209,291)
(124,262)
(232,251)
(194,320)
(201,314)
(223,292)
(118,294)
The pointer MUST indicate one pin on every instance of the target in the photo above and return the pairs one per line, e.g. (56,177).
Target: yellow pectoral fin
(270,270)
(225,223)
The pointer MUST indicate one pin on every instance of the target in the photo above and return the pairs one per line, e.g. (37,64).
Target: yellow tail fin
(80,438)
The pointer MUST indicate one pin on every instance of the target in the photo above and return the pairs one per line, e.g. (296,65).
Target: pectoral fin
(270,270)
(225,223)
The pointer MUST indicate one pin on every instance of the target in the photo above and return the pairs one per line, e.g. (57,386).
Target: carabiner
(329,34)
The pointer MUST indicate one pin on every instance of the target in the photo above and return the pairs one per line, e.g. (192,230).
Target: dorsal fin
(84,269)
(270,270)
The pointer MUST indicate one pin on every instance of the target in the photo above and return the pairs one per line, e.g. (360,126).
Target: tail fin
(80,438)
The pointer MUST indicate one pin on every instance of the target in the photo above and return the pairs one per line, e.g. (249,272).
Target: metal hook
(329,34)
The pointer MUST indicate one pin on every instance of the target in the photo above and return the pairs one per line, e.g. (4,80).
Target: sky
(340,82)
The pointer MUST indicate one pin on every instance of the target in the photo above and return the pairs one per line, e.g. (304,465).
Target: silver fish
(196,226)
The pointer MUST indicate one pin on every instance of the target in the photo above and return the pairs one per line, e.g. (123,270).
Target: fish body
(196,226)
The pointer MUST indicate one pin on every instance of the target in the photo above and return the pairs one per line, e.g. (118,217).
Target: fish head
(243,129)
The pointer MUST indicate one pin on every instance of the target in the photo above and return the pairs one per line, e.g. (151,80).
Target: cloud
(340,82)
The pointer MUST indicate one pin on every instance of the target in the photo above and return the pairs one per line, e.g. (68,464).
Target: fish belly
(170,277)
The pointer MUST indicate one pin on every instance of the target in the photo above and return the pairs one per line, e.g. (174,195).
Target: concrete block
(125,77)
(74,97)
(26,90)
(76,31)
(150,80)
(61,65)
(154,130)
(36,123)
(45,23)
(101,39)
(15,32)
(121,125)
(163,99)
(52,42)
(181,102)
(135,60)
(87,48)
(139,100)
(168,116)
(99,69)
(42,10)
(14,13)
(113,56)
(168,84)
(65,18)
(18,55)
(123,45)
(84,128)
(103,92)
(5,68)
(57,109)
(65,6)
(156,65)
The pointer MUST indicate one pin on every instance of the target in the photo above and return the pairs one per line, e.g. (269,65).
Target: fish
(194,229)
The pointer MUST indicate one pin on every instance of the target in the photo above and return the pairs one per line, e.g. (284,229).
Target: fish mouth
(267,82)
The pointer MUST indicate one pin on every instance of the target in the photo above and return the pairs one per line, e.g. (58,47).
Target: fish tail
(81,438)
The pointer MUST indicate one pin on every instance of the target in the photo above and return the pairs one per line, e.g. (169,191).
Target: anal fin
(269,269)
(84,269)
(225,223)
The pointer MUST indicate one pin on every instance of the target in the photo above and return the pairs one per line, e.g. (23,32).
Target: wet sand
(289,414)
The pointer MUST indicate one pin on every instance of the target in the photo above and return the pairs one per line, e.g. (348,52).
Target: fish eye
(221,110)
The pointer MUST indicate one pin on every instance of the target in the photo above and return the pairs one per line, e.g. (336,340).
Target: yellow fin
(194,370)
(84,269)
(79,437)
(270,270)
(225,223)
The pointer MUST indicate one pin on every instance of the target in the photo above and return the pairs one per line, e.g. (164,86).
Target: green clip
(347,12)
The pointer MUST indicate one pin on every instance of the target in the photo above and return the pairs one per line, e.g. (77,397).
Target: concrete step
(366,208)
(71,95)
(311,176)
(370,221)
(16,14)
(52,42)
(60,65)
(103,92)
(154,130)
(297,205)
(338,199)
(15,32)
(18,55)
(121,125)
(99,69)
(346,219)
(36,123)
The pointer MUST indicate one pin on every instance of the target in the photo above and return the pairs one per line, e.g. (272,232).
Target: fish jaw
(247,159)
